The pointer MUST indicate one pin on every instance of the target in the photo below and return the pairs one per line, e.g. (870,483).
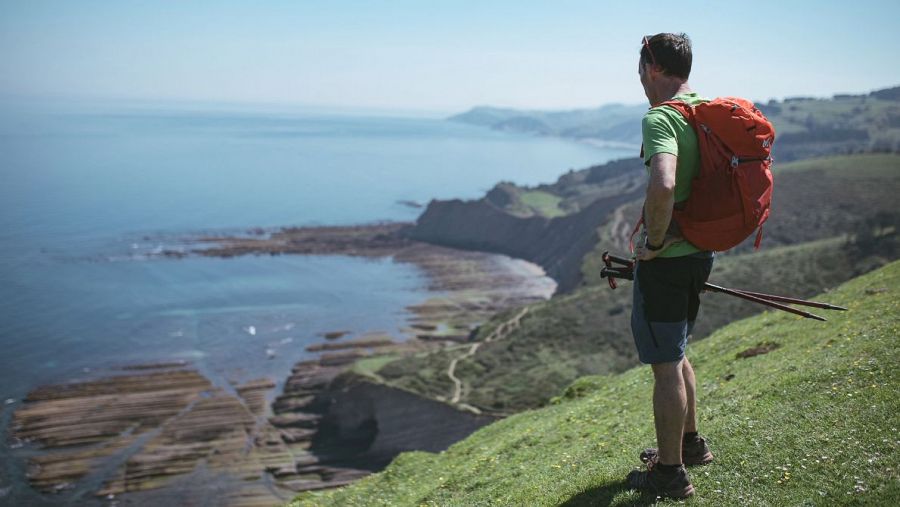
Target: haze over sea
(90,191)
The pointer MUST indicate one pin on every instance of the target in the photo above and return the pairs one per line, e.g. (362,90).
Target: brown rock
(287,403)
(295,419)
(342,358)
(334,335)
(359,343)
(254,394)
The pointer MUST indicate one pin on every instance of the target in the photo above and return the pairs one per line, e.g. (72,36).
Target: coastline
(604,143)
(174,428)
(472,285)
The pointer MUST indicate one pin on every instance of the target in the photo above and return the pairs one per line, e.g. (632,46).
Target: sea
(92,191)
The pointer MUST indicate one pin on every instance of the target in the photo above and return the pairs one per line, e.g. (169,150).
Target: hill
(812,422)
(555,225)
(550,225)
(835,219)
(806,126)
(612,122)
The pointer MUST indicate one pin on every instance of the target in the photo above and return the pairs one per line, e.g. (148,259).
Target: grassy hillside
(587,332)
(813,200)
(813,422)
(808,127)
(571,192)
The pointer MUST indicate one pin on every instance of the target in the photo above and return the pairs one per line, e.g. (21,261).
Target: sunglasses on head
(646,42)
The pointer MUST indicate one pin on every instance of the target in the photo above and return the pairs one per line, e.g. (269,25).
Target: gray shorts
(666,302)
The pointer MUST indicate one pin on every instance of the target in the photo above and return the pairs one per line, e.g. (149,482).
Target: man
(669,272)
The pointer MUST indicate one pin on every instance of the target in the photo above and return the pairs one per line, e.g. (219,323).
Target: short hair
(671,51)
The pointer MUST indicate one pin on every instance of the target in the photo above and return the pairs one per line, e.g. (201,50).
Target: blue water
(88,189)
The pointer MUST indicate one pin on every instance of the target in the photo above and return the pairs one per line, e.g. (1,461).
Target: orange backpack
(732,194)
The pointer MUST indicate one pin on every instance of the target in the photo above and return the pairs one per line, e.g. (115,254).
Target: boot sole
(684,493)
(678,495)
(705,460)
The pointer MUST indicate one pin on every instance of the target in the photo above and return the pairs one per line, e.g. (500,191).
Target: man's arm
(660,197)
(659,203)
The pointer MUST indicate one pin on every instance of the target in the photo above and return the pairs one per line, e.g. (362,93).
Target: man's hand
(642,253)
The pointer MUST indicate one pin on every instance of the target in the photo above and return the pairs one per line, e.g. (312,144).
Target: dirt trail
(501,332)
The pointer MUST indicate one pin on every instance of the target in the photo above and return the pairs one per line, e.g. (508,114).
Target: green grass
(814,422)
(542,203)
(369,367)
(528,202)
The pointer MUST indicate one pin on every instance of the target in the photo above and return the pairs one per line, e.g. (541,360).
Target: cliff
(558,244)
(367,423)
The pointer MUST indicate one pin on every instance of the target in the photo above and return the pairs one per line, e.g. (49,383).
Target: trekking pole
(627,273)
(613,273)
(629,263)
(783,299)
(743,295)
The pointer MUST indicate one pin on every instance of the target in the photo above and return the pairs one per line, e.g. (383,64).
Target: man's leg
(690,388)
(694,450)
(670,408)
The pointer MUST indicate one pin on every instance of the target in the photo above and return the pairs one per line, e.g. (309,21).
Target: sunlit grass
(814,422)
(542,203)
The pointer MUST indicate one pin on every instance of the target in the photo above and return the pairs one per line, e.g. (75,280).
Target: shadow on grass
(602,496)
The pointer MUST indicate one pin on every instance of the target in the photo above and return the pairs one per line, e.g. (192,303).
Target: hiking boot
(693,452)
(655,481)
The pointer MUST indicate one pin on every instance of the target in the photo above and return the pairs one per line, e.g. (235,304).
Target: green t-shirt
(665,130)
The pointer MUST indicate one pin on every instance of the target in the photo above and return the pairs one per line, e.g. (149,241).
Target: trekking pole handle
(624,274)
(618,260)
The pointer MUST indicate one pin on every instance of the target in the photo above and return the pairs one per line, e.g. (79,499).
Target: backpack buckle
(735,161)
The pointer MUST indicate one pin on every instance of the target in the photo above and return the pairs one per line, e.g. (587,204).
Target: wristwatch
(653,248)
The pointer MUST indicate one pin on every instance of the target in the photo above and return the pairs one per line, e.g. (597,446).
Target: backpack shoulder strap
(686,110)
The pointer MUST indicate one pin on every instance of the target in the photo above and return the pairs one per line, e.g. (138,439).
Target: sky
(435,55)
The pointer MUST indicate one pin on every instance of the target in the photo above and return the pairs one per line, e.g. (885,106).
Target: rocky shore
(373,240)
(164,433)
(474,284)
(152,433)
(137,429)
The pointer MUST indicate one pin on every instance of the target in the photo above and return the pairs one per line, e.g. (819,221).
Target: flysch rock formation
(151,434)
(145,431)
